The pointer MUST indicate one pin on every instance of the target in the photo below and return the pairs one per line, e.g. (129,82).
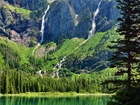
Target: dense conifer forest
(108,62)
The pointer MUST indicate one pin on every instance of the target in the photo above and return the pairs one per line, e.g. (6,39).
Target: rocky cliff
(17,25)
(73,18)
(20,21)
(28,4)
(65,19)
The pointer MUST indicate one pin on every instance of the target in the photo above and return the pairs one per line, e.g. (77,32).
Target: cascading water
(43,24)
(92,31)
(74,15)
(42,29)
(39,72)
(58,67)
(76,20)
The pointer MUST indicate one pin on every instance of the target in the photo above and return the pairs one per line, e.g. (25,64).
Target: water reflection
(82,100)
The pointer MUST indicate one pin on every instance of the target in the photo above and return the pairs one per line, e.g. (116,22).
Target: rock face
(16,26)
(65,19)
(73,18)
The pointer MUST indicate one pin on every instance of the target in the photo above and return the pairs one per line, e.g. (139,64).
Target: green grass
(23,51)
(1,60)
(88,48)
(68,47)
(52,94)
(104,74)
(97,43)
(23,11)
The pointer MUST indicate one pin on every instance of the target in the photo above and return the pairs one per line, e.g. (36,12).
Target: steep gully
(91,33)
(42,30)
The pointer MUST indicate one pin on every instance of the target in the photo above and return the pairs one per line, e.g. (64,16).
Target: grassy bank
(54,94)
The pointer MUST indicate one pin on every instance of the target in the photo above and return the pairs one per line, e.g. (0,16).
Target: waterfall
(42,29)
(39,72)
(74,15)
(92,31)
(76,20)
(43,24)
(58,67)
(51,1)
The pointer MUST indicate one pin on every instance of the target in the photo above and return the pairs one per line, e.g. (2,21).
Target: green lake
(79,100)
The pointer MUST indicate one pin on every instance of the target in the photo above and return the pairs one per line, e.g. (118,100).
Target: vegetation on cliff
(23,11)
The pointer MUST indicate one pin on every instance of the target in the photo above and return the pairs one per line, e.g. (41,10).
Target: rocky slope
(65,19)
(18,23)
(73,18)
(21,22)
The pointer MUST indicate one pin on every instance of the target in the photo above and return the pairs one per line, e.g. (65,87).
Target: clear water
(82,100)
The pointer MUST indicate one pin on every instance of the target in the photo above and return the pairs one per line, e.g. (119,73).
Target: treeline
(10,59)
(13,81)
(9,56)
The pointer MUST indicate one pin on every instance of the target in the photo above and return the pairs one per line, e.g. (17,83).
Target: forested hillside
(20,69)
(91,56)
(49,45)
(16,81)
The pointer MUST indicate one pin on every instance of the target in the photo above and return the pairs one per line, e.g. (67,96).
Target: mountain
(21,20)
(73,18)
(66,35)
(89,57)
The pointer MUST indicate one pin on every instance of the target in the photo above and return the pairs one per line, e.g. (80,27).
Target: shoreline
(54,94)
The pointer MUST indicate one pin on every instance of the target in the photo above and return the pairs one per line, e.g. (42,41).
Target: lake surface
(80,100)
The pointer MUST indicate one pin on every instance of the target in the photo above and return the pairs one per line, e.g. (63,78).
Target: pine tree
(5,82)
(127,49)
(127,52)
(0,80)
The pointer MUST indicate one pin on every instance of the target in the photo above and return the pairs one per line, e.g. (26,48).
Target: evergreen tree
(0,79)
(5,82)
(127,48)
(127,52)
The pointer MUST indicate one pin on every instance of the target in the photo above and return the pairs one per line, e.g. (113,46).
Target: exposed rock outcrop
(73,18)
(65,19)
(16,26)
